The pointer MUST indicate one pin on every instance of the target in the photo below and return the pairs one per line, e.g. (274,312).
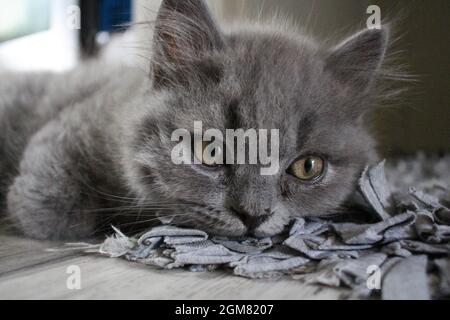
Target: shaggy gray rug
(400,251)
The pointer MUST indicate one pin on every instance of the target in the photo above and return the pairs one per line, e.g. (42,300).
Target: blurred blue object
(114,15)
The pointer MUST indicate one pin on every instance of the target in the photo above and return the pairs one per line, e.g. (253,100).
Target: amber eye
(308,168)
(208,154)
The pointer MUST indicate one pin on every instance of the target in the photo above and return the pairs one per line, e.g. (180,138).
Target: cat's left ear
(356,60)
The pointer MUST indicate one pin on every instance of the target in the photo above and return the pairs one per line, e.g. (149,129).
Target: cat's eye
(308,168)
(208,154)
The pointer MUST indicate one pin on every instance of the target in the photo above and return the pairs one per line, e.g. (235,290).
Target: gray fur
(81,149)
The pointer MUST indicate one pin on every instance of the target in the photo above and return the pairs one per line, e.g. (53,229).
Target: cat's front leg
(51,197)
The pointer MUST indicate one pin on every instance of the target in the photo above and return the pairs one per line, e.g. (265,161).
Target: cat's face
(255,79)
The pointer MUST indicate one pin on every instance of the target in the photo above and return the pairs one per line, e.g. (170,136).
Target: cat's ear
(184,32)
(356,60)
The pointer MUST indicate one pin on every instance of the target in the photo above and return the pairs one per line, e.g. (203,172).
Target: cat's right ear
(184,32)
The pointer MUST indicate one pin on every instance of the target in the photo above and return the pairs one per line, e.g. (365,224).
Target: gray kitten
(89,148)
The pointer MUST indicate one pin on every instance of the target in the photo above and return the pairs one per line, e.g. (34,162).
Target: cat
(85,149)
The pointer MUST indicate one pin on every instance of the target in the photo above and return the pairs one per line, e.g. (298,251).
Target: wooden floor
(28,271)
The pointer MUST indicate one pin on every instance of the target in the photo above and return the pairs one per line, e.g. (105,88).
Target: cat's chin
(231,233)
(273,226)
(227,223)
(236,228)
(265,231)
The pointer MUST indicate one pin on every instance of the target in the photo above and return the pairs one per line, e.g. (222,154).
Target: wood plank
(17,253)
(27,271)
(103,278)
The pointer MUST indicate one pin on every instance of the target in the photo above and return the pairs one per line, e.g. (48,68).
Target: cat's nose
(252,221)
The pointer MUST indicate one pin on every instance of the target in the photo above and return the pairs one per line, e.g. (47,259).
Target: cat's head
(260,78)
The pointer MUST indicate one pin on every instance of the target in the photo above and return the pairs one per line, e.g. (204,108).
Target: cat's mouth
(254,223)
(229,222)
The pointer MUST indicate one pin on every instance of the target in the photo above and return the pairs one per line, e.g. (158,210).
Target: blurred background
(56,34)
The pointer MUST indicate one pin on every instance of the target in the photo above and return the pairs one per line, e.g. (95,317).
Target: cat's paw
(46,213)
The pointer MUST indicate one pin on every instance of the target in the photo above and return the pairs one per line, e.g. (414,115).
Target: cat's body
(78,149)
(61,137)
